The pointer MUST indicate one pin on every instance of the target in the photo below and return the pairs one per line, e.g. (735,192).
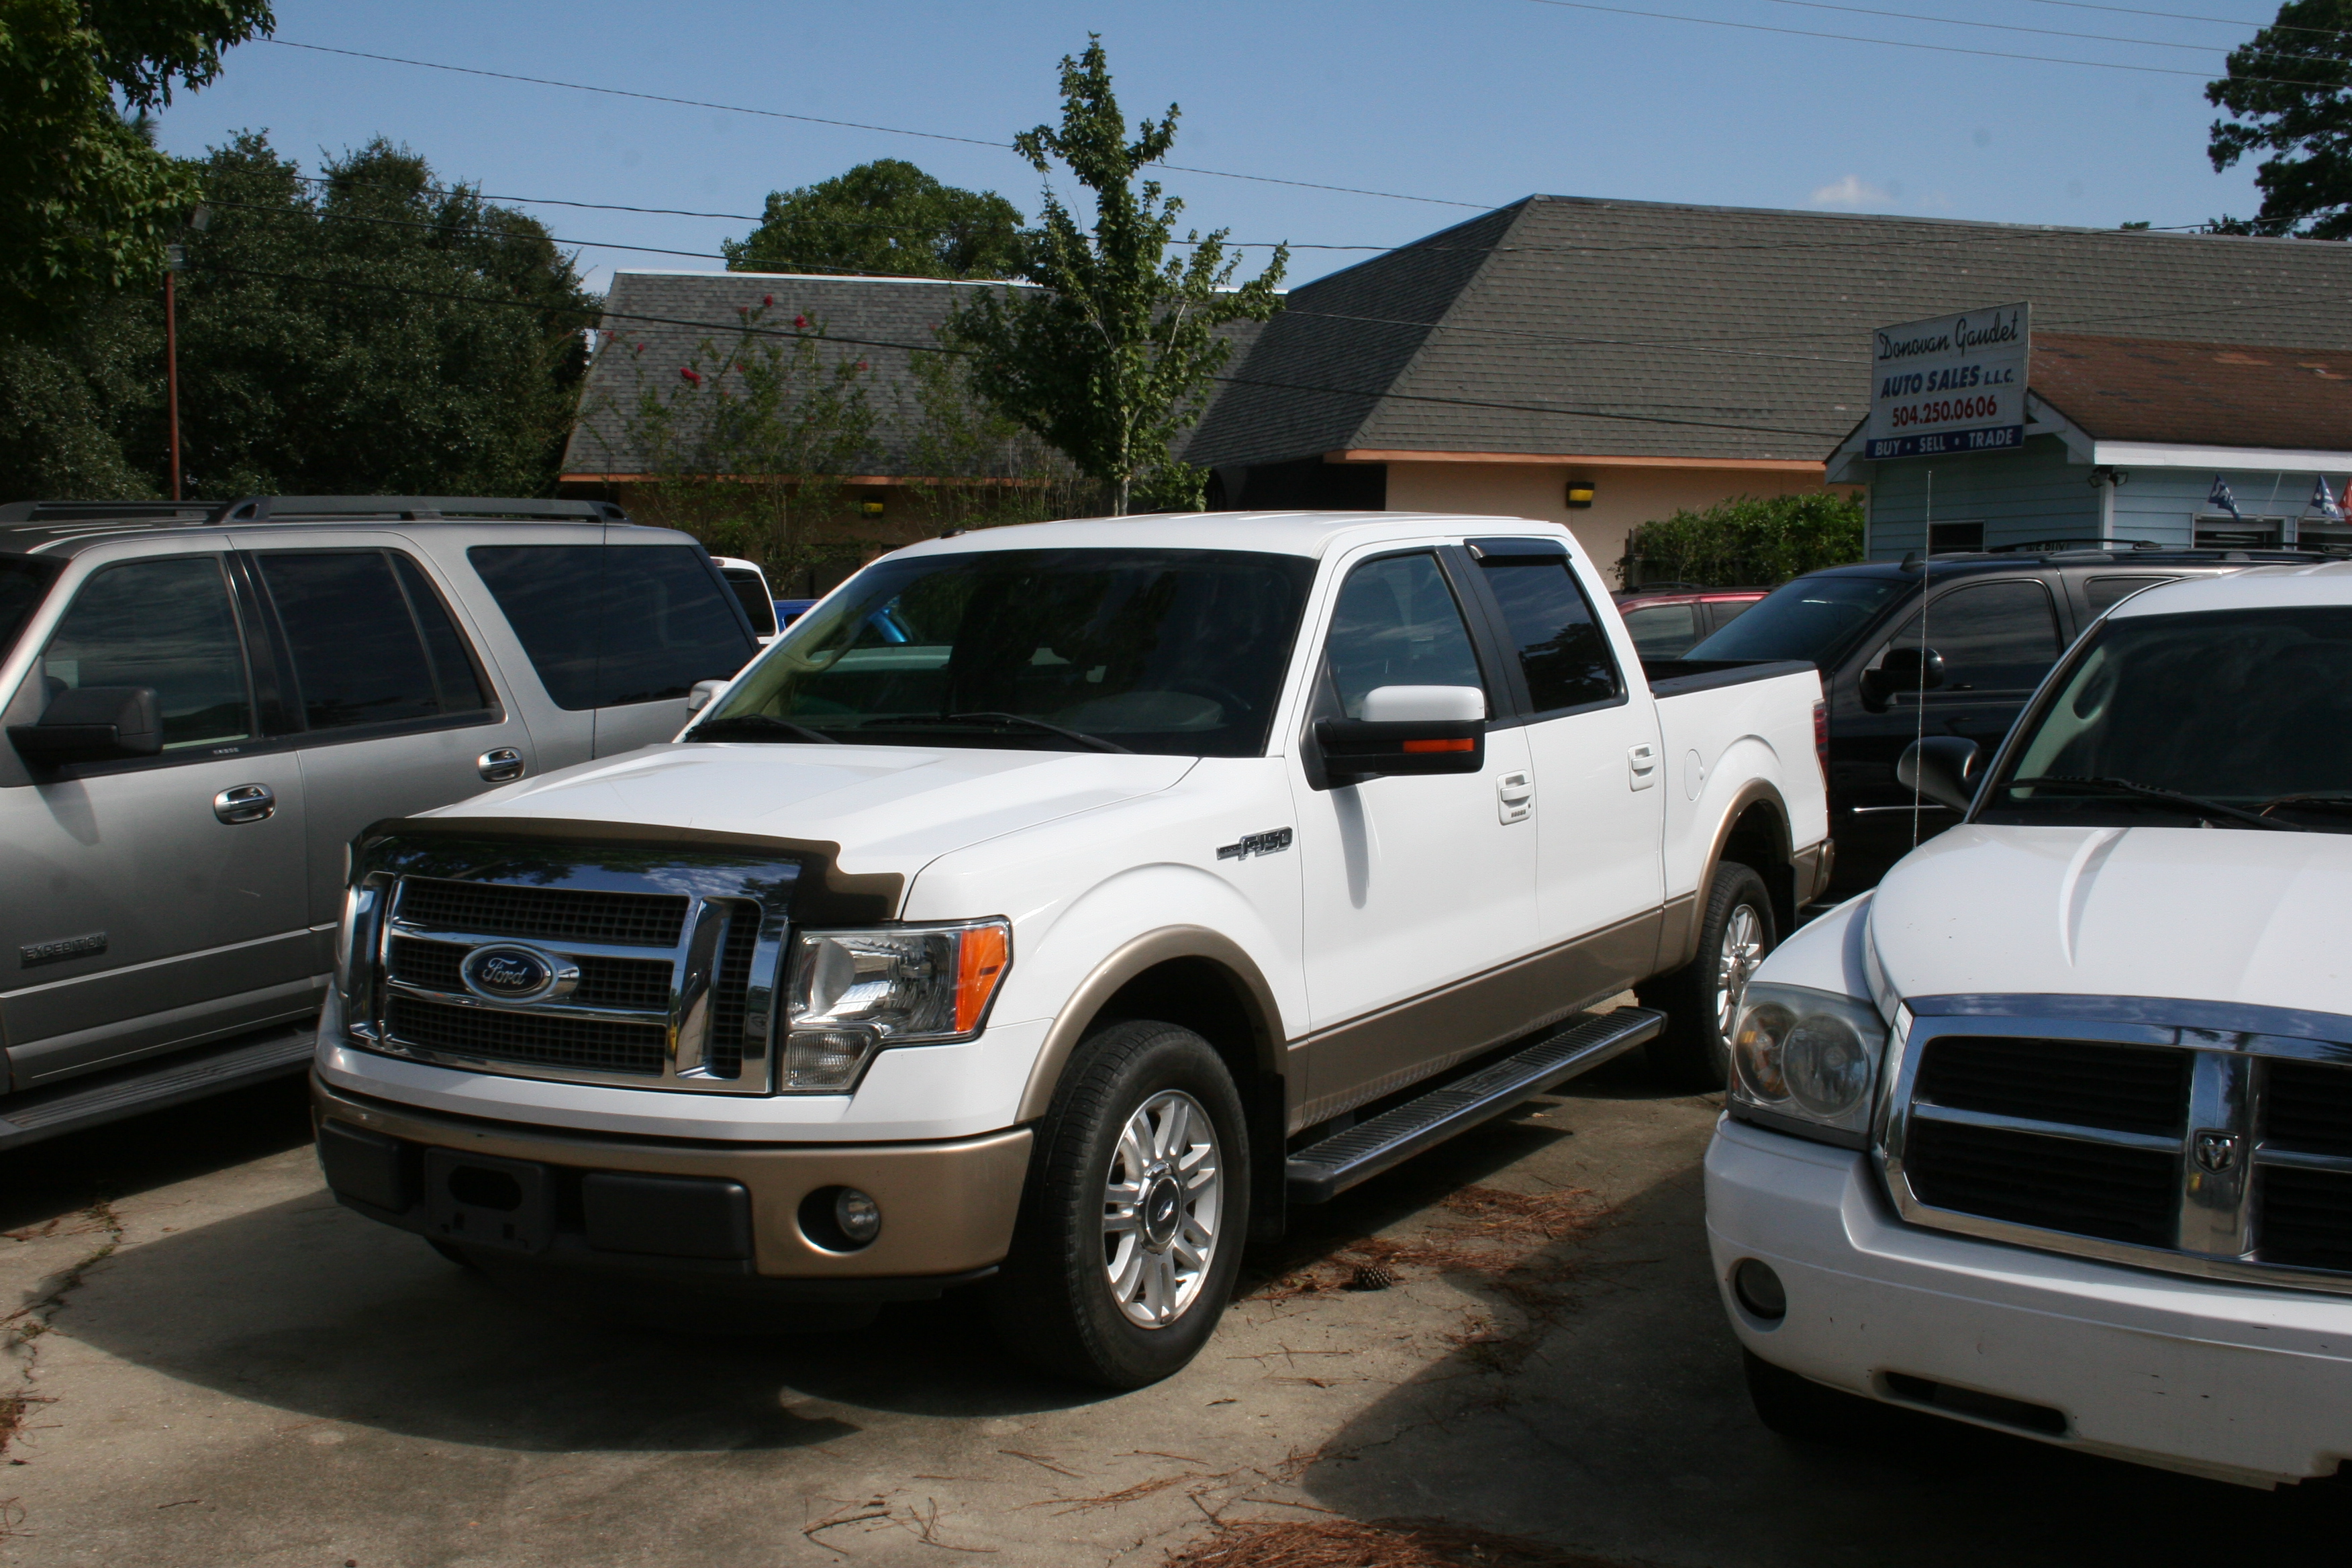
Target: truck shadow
(1605,1409)
(65,1175)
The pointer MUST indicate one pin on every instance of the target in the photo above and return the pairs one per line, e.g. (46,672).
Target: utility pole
(174,257)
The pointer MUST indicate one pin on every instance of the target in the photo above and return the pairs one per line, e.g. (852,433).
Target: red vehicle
(1666,619)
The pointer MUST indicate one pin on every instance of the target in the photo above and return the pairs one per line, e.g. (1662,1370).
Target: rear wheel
(1701,999)
(1134,1212)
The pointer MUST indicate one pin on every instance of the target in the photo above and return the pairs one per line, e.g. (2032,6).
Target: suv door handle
(1515,796)
(246,802)
(499,765)
(1641,766)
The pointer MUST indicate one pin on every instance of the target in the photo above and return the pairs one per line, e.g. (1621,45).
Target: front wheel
(1701,999)
(1134,1212)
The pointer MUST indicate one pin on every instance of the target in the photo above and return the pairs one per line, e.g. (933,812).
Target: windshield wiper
(2208,809)
(757,727)
(1080,736)
(2318,801)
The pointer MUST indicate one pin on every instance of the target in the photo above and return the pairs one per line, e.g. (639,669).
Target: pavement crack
(21,1331)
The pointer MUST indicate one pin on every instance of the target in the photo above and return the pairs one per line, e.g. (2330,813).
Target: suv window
(1560,647)
(1397,625)
(24,581)
(1993,636)
(167,623)
(1662,631)
(358,633)
(605,627)
(2102,593)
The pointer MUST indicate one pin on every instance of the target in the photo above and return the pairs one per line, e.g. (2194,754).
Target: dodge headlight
(1807,1055)
(851,993)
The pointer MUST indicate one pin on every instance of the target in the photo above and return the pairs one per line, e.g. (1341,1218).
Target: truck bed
(1679,677)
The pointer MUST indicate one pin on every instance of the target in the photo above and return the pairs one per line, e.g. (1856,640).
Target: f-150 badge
(1256,844)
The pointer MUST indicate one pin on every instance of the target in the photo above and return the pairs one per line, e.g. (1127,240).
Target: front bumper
(2235,1382)
(714,1211)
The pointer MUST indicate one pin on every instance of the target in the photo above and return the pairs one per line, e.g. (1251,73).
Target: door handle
(1641,766)
(246,802)
(1515,796)
(499,765)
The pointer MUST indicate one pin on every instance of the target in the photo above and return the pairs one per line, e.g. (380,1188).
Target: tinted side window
(1662,631)
(167,624)
(1994,636)
(608,626)
(358,658)
(1560,644)
(454,672)
(754,593)
(1397,625)
(2102,593)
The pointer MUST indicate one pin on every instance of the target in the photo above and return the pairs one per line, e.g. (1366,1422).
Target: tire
(1810,1411)
(1736,931)
(1101,1295)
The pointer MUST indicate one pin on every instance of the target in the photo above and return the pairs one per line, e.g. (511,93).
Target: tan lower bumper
(947,1208)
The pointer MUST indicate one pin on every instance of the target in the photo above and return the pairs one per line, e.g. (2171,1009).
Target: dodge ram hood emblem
(507,972)
(2217,1151)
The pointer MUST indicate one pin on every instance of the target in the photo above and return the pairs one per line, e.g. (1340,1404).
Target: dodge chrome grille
(2188,1136)
(653,972)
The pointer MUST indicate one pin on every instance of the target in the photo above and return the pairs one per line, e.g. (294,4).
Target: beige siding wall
(1622,497)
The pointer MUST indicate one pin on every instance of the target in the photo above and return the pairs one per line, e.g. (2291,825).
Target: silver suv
(202,705)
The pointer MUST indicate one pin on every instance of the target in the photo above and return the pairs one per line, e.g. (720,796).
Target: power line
(2041,32)
(819,120)
(2184,16)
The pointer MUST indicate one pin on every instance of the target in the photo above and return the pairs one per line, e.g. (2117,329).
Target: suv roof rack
(291,508)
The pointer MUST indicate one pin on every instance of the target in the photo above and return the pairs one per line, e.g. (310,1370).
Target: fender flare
(1131,958)
(1676,948)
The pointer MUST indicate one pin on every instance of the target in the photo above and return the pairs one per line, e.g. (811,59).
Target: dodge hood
(890,808)
(2206,914)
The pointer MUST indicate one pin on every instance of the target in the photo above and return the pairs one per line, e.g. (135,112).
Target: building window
(1946,536)
(2220,531)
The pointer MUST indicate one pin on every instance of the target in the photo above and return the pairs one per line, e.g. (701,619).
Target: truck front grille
(485,1034)
(637,985)
(545,914)
(2224,1151)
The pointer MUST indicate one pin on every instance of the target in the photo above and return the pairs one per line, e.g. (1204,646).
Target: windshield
(23,580)
(1813,617)
(1178,652)
(2248,712)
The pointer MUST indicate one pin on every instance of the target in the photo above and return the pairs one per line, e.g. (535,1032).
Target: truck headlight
(852,993)
(1807,1055)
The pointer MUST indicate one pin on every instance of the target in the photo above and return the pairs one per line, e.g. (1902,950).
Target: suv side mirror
(1407,730)
(1941,767)
(703,694)
(1903,670)
(91,725)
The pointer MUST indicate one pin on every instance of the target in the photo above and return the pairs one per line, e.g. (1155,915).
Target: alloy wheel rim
(1162,1200)
(1743,950)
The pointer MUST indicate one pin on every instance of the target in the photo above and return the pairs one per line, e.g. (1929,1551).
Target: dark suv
(1961,664)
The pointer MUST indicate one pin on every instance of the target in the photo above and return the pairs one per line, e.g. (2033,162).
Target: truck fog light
(840,1219)
(822,1060)
(1759,1289)
(859,1217)
(1827,1068)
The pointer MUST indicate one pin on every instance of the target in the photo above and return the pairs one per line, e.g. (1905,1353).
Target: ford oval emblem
(510,973)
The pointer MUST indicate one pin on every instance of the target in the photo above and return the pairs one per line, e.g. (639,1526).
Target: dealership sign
(1950,386)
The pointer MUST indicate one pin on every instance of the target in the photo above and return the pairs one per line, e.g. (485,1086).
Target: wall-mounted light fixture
(1579,494)
(870,508)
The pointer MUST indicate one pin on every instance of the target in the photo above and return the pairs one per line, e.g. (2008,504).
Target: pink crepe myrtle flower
(767,300)
(686,372)
(800,321)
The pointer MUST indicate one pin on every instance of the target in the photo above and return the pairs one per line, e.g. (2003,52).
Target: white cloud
(1852,191)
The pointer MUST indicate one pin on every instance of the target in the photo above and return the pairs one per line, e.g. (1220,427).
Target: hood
(890,808)
(2206,914)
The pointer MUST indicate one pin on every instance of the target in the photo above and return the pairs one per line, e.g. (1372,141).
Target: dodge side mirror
(91,725)
(1903,670)
(1407,730)
(1941,767)
(702,694)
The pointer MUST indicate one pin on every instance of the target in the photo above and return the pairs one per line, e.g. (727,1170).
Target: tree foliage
(2289,93)
(86,203)
(888,219)
(372,332)
(1746,542)
(1109,359)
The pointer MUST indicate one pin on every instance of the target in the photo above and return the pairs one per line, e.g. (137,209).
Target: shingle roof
(2203,395)
(1567,326)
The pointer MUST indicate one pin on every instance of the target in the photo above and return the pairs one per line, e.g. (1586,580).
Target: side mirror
(1903,670)
(1407,730)
(704,693)
(1941,767)
(91,725)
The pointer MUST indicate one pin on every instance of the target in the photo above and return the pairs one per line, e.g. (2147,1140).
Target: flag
(2222,500)
(2325,503)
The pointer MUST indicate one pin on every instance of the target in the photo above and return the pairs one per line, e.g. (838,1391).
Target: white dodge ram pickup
(2052,1133)
(1047,906)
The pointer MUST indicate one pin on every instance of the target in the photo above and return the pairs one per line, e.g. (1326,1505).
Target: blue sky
(1477,101)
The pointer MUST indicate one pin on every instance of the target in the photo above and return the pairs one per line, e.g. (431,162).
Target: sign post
(1950,386)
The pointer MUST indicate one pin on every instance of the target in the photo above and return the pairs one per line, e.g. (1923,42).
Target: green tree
(978,467)
(2289,93)
(1111,357)
(1746,541)
(370,332)
(86,203)
(888,219)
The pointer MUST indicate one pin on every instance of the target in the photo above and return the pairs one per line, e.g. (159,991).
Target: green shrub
(1746,542)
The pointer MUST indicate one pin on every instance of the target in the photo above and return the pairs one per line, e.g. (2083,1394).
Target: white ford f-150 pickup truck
(2053,1132)
(1051,905)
